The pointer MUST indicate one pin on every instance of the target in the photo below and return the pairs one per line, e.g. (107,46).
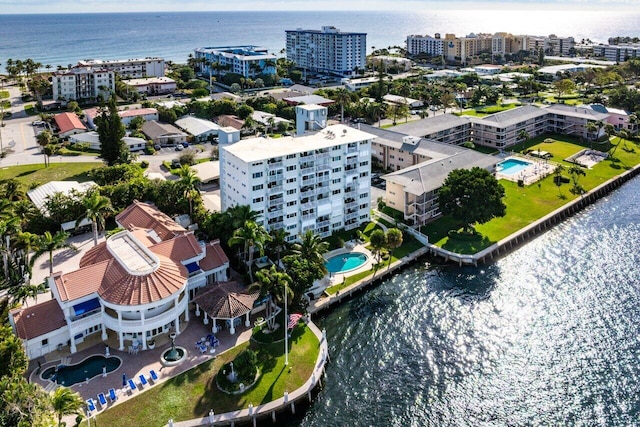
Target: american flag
(293,320)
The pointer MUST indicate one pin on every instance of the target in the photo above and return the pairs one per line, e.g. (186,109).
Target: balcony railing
(132,326)
(84,323)
(275,165)
(276,202)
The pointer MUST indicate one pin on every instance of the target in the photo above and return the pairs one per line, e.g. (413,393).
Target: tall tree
(189,181)
(251,236)
(393,240)
(65,401)
(274,284)
(343,98)
(48,243)
(378,241)
(311,247)
(278,243)
(110,133)
(97,209)
(471,196)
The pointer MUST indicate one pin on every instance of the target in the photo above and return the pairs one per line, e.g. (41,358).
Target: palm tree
(342,98)
(65,401)
(523,135)
(48,243)
(378,242)
(252,236)
(8,227)
(240,214)
(275,285)
(278,242)
(25,242)
(558,175)
(189,181)
(394,240)
(97,209)
(311,247)
(591,129)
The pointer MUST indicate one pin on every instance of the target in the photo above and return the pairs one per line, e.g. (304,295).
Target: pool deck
(351,246)
(134,365)
(537,170)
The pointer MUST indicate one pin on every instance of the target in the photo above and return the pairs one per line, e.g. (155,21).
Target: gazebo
(226,301)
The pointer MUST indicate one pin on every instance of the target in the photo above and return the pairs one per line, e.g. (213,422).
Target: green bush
(144,164)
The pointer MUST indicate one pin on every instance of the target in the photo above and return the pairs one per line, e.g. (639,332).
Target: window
(258,199)
(258,187)
(291,168)
(364,195)
(292,203)
(291,156)
(257,175)
(292,215)
(291,180)
(45,342)
(292,191)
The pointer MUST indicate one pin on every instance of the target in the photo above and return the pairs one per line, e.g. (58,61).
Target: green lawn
(527,204)
(29,175)
(31,110)
(348,235)
(4,94)
(193,393)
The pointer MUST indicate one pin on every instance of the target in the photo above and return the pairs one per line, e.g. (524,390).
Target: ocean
(64,39)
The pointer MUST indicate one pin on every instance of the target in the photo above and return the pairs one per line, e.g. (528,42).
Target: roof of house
(137,112)
(226,300)
(263,117)
(308,99)
(147,216)
(207,171)
(227,120)
(40,195)
(196,126)
(431,125)
(431,174)
(113,283)
(67,122)
(215,257)
(39,319)
(154,129)
(225,95)
(420,146)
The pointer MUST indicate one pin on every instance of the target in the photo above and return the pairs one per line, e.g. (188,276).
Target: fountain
(173,355)
(232,376)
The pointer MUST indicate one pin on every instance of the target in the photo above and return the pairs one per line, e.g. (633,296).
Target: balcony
(309,181)
(352,171)
(274,188)
(275,165)
(321,224)
(309,192)
(349,216)
(83,323)
(307,168)
(135,326)
(352,150)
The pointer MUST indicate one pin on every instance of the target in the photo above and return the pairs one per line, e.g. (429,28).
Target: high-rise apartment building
(328,51)
(417,44)
(82,83)
(129,68)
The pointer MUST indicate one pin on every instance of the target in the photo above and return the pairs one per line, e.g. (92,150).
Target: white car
(179,147)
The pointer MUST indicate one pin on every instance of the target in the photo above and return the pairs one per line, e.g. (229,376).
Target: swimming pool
(345,262)
(87,369)
(512,166)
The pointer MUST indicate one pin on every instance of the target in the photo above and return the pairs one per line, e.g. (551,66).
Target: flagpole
(286,328)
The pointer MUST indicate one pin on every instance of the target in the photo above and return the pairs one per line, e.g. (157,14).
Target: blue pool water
(345,262)
(512,166)
(88,368)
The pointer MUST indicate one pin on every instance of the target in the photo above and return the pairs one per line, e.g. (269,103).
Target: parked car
(358,120)
(157,147)
(185,144)
(175,163)
(179,147)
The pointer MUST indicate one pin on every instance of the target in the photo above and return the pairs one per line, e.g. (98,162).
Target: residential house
(163,133)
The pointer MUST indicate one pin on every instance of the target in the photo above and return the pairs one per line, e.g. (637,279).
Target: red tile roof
(114,284)
(214,258)
(67,122)
(226,300)
(137,112)
(144,215)
(39,319)
(180,248)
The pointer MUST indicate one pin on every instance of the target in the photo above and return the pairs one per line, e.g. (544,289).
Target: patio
(140,363)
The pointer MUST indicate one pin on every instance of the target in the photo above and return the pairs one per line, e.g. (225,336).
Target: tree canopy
(110,133)
(472,196)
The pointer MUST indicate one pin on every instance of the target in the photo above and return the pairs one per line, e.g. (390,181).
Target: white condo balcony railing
(133,326)
(85,323)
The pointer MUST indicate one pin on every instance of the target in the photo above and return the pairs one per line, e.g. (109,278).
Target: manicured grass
(527,204)
(366,229)
(4,94)
(6,104)
(29,175)
(31,110)
(491,109)
(193,393)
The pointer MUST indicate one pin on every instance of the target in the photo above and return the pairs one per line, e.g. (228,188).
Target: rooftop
(68,121)
(431,125)
(255,149)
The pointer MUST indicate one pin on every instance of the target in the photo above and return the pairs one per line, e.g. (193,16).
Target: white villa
(137,284)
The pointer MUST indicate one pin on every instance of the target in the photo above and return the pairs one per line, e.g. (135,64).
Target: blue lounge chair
(112,395)
(143,380)
(91,406)
(102,400)
(132,385)
(154,376)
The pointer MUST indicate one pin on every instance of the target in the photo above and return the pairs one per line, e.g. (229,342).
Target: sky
(88,6)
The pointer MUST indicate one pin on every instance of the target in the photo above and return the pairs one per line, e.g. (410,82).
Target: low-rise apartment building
(129,68)
(447,128)
(319,182)
(248,61)
(152,85)
(502,130)
(82,83)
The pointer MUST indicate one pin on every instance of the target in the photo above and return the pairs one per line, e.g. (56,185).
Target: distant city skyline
(89,6)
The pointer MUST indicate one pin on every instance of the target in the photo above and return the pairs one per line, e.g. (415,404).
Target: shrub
(144,164)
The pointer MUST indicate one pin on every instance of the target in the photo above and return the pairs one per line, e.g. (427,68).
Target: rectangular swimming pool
(512,166)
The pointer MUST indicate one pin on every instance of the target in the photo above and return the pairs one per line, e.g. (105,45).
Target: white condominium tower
(319,182)
(328,51)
